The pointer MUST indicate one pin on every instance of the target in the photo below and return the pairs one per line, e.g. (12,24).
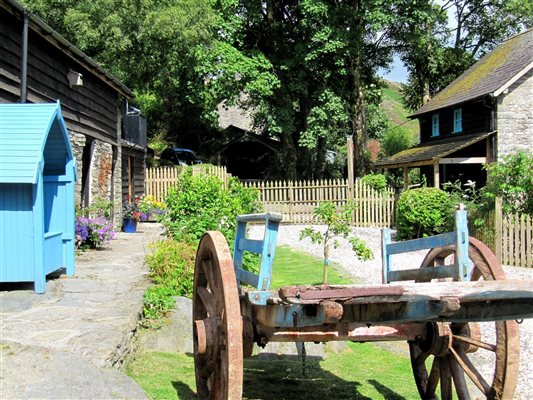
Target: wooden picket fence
(516,240)
(296,200)
(510,237)
(160,179)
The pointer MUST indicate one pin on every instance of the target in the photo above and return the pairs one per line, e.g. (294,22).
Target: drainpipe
(24,59)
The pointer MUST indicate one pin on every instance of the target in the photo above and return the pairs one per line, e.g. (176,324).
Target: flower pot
(130,225)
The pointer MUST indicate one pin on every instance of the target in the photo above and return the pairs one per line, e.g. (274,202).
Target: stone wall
(117,189)
(515,117)
(105,181)
(77,142)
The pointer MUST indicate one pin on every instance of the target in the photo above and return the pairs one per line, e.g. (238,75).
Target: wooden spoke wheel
(217,324)
(463,356)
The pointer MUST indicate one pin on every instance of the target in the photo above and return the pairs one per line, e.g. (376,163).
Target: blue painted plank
(251,245)
(445,239)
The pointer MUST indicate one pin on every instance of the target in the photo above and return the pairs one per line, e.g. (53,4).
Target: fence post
(498,228)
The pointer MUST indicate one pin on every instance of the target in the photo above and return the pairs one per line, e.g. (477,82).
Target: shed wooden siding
(91,109)
(133,159)
(475,119)
(16,197)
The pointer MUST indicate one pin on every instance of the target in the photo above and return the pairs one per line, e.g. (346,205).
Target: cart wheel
(451,350)
(217,324)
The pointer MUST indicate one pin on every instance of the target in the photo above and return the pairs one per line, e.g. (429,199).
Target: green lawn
(361,371)
(293,267)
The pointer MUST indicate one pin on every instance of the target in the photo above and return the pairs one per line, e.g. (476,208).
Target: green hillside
(392,102)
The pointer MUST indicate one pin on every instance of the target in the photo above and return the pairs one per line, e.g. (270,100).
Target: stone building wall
(105,181)
(117,189)
(101,171)
(515,117)
(77,141)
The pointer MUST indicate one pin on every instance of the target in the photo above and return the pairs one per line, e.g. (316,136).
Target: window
(457,120)
(435,125)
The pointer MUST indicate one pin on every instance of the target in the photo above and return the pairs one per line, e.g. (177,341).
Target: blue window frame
(435,125)
(457,120)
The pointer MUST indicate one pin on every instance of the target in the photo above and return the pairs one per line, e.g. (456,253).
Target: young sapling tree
(337,223)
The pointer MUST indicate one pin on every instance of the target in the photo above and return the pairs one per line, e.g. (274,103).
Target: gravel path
(370,272)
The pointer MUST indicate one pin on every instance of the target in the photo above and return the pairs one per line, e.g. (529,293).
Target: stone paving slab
(64,343)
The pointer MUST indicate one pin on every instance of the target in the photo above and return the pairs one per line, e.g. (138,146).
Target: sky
(398,72)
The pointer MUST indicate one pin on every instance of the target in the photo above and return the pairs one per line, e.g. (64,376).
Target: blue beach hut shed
(37,177)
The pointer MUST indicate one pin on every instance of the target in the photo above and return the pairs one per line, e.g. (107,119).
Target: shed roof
(491,75)
(27,132)
(429,152)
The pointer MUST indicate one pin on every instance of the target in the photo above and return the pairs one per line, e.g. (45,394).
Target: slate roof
(24,133)
(429,152)
(489,76)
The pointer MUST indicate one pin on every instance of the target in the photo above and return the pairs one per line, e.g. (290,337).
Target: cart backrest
(459,270)
(265,247)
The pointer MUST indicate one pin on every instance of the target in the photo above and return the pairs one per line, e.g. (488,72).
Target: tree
(172,55)
(436,51)
(325,55)
(512,180)
(337,225)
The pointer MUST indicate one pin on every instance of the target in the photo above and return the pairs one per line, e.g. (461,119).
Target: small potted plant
(131,214)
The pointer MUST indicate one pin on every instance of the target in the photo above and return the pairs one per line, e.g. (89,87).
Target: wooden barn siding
(91,109)
(138,168)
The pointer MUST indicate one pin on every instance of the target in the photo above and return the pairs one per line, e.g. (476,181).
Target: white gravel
(370,272)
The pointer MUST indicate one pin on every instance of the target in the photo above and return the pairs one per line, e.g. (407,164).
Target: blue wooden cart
(437,308)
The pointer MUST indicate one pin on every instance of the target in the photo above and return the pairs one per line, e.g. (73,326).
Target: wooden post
(405,178)
(349,145)
(498,228)
(436,178)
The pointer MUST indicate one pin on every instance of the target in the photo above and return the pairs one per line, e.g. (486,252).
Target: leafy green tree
(337,223)
(436,51)
(512,180)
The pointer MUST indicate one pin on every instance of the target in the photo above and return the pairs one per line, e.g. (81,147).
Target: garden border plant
(197,204)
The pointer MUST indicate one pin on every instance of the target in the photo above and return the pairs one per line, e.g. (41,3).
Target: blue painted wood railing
(459,270)
(265,247)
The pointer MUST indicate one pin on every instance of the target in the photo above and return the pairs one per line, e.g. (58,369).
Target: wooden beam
(463,160)
(436,177)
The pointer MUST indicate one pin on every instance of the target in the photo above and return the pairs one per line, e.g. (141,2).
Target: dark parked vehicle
(179,156)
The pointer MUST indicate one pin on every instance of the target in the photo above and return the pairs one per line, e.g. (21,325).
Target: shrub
(172,270)
(512,180)
(98,208)
(201,203)
(93,232)
(424,212)
(375,181)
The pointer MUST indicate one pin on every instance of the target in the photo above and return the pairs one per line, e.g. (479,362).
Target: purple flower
(93,232)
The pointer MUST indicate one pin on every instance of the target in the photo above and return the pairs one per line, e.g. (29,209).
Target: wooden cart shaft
(307,306)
